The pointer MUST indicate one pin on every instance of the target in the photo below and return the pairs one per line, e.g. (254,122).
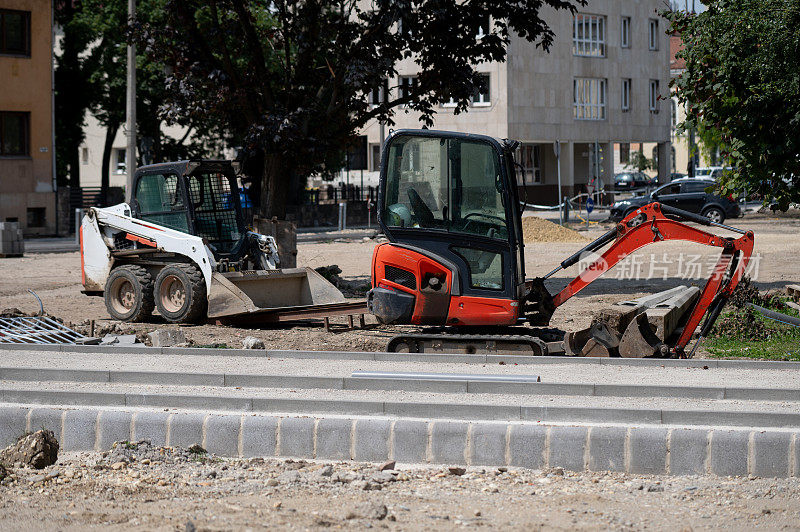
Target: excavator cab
(449,207)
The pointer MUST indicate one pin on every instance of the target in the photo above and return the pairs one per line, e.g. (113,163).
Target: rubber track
(537,346)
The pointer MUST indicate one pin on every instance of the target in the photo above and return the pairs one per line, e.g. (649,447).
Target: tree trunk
(75,167)
(108,145)
(275,181)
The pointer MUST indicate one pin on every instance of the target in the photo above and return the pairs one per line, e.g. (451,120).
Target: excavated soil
(535,229)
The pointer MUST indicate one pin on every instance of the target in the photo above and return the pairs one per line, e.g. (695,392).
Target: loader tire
(181,293)
(129,293)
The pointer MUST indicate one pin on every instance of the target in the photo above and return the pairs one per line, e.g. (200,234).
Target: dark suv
(631,180)
(688,194)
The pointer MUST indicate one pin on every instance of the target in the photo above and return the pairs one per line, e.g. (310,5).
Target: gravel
(169,488)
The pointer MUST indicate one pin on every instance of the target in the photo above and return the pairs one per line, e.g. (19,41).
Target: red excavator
(448,205)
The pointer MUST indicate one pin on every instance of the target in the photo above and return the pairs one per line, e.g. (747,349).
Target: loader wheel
(129,293)
(181,293)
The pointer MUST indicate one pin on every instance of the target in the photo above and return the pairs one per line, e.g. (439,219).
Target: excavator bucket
(235,294)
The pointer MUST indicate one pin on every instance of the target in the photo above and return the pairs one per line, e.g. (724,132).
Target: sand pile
(540,230)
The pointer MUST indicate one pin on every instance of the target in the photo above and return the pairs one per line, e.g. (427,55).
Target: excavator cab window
(160,201)
(449,184)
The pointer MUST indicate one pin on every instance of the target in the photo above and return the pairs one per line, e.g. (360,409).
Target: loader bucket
(263,291)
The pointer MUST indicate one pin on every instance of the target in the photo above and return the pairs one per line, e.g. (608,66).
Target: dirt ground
(56,279)
(143,488)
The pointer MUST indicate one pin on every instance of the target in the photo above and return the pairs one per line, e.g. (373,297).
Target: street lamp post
(130,155)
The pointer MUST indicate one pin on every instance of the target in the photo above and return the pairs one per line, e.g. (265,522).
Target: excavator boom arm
(655,226)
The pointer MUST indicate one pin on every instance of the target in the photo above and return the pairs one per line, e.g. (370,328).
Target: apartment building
(603,83)
(27,177)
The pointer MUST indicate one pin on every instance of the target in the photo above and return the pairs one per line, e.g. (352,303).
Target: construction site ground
(55,277)
(182,491)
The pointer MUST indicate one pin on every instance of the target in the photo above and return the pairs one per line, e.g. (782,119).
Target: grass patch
(742,332)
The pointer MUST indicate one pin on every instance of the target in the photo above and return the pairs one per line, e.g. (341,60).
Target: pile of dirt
(536,229)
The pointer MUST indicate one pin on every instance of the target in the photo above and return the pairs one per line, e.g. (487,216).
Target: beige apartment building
(27,188)
(603,83)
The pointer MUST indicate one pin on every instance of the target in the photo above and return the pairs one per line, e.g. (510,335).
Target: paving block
(80,430)
(567,447)
(372,440)
(334,438)
(259,436)
(607,448)
(13,424)
(150,426)
(113,426)
(46,418)
(729,452)
(185,430)
(296,437)
(688,450)
(222,434)
(771,454)
(410,441)
(449,442)
(488,444)
(527,444)
(648,451)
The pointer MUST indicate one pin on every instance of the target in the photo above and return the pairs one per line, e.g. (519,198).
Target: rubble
(37,450)
(251,342)
(166,337)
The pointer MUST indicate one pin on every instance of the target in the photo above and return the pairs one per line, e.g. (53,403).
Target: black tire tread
(198,301)
(147,285)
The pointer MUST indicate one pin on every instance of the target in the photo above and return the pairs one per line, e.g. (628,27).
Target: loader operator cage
(199,198)
(213,201)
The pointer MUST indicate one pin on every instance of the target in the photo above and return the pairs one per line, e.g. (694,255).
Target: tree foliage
(742,79)
(288,80)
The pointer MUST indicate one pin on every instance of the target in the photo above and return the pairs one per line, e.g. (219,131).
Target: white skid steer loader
(181,247)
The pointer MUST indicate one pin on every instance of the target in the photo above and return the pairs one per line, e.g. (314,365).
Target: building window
(481,97)
(483,28)
(122,156)
(589,98)
(406,84)
(589,35)
(653,34)
(653,96)
(14,129)
(529,158)
(673,112)
(84,155)
(15,32)
(375,153)
(450,102)
(625,32)
(624,152)
(37,216)
(626,95)
(379,95)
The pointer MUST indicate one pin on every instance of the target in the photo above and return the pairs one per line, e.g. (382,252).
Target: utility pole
(130,156)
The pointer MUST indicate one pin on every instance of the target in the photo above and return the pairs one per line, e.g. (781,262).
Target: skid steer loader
(181,247)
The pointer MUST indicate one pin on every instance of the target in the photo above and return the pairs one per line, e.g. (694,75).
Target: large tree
(288,80)
(742,80)
(73,89)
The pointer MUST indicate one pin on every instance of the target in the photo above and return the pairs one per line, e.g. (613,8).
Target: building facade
(27,177)
(603,83)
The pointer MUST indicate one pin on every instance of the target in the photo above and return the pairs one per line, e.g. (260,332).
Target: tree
(288,80)
(73,90)
(743,80)
(639,161)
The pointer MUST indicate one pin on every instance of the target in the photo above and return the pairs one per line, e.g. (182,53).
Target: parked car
(676,175)
(631,180)
(686,193)
(711,172)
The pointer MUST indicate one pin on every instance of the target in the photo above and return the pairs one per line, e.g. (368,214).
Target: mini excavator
(454,260)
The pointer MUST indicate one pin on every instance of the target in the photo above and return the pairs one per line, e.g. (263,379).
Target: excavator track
(476,344)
